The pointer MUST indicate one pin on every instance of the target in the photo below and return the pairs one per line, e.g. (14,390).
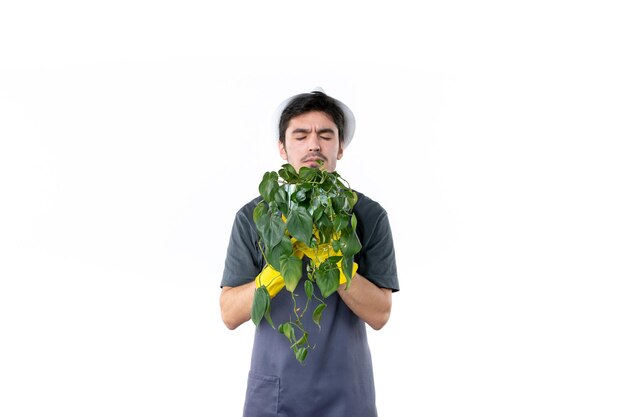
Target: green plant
(306,212)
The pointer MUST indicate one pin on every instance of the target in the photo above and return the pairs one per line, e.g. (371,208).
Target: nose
(314,143)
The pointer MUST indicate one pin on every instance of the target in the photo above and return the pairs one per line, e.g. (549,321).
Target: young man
(337,379)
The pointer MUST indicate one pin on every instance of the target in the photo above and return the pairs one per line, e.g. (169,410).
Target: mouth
(314,163)
(315,159)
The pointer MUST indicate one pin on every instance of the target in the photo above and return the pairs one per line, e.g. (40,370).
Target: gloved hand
(271,279)
(342,276)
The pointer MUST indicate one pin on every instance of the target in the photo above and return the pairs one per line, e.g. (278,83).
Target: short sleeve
(244,259)
(377,259)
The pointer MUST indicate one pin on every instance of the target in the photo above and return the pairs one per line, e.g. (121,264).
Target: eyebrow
(319,132)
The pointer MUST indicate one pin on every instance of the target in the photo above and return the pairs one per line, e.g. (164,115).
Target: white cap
(349,122)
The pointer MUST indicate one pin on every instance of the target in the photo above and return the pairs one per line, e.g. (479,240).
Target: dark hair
(314,101)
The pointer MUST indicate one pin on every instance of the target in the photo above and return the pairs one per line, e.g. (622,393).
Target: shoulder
(247,209)
(372,219)
(244,218)
(365,206)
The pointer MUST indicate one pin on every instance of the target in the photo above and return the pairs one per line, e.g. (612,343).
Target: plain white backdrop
(493,134)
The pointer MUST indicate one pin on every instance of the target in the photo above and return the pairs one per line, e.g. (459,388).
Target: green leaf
(315,207)
(280,198)
(299,196)
(300,224)
(268,186)
(346,265)
(352,198)
(317,314)
(307,186)
(259,211)
(328,183)
(276,231)
(325,227)
(288,173)
(302,341)
(308,174)
(349,243)
(327,279)
(331,262)
(340,222)
(287,330)
(260,304)
(261,218)
(301,354)
(339,204)
(267,315)
(284,248)
(308,289)
(291,270)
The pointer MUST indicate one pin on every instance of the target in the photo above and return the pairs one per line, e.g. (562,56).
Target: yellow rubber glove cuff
(272,280)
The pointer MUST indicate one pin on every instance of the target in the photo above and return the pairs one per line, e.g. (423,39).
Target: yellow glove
(323,252)
(301,249)
(271,279)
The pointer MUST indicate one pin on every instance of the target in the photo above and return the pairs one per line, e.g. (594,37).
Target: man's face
(309,137)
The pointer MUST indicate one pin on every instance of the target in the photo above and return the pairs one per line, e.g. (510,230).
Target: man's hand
(271,279)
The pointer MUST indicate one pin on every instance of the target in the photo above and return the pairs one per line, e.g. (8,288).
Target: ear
(340,153)
(282,151)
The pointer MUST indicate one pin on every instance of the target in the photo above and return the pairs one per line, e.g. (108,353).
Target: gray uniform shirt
(336,379)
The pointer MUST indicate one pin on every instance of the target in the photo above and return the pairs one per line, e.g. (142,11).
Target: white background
(131,132)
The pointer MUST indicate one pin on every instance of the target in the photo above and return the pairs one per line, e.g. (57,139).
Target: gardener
(337,378)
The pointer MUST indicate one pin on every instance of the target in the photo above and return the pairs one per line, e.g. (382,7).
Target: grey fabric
(244,259)
(336,378)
